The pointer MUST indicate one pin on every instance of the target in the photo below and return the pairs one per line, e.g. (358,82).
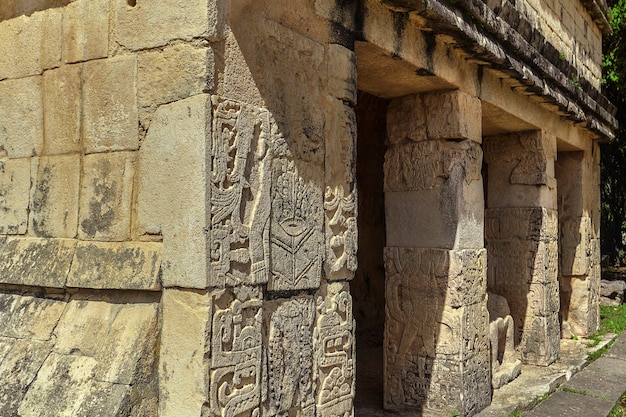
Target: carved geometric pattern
(296,230)
(236,353)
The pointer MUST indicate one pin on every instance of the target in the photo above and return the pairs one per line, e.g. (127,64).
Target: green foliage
(613,161)
(612,319)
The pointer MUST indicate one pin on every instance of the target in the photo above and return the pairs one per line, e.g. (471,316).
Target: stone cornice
(522,53)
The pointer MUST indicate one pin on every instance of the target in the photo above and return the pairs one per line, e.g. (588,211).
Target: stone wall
(178,194)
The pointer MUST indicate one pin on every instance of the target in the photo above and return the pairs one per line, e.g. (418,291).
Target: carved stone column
(521,231)
(578,176)
(436,329)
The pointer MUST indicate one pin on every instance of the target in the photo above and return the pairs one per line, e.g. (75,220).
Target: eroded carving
(505,364)
(296,230)
(334,352)
(342,236)
(236,348)
(240,193)
(290,359)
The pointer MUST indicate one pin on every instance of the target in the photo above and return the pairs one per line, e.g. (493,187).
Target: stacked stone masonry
(179,203)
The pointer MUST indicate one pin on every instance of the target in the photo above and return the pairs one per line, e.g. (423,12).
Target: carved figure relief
(240,194)
(342,236)
(296,230)
(236,348)
(335,352)
(505,363)
(290,359)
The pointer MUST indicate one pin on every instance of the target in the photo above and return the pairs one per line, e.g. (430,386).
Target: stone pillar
(521,232)
(578,176)
(436,329)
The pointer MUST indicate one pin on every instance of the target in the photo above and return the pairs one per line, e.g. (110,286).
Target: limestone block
(290,384)
(66,385)
(340,143)
(574,242)
(183,368)
(531,223)
(32,44)
(21,125)
(236,379)
(173,73)
(114,336)
(342,72)
(106,196)
(14,195)
(427,165)
(26,317)
(296,229)
(110,105)
(453,115)
(19,368)
(36,262)
(406,119)
(172,200)
(540,340)
(241,146)
(123,265)
(450,216)
(432,333)
(54,204)
(334,351)
(150,23)
(62,101)
(86,30)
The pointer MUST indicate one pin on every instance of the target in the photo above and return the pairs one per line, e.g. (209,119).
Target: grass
(620,408)
(573,391)
(612,319)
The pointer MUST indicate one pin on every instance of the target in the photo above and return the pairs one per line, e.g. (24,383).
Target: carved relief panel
(240,195)
(341,233)
(236,353)
(289,358)
(335,351)
(296,229)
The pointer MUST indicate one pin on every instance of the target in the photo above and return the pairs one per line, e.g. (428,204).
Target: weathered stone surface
(14,195)
(521,170)
(173,200)
(54,203)
(406,119)
(118,336)
(26,317)
(296,229)
(21,125)
(22,363)
(110,105)
(342,77)
(66,385)
(574,240)
(149,23)
(505,363)
(453,115)
(236,352)
(334,351)
(172,73)
(36,262)
(290,384)
(436,339)
(32,44)
(62,101)
(341,234)
(106,196)
(241,148)
(612,292)
(86,30)
(124,265)
(183,367)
